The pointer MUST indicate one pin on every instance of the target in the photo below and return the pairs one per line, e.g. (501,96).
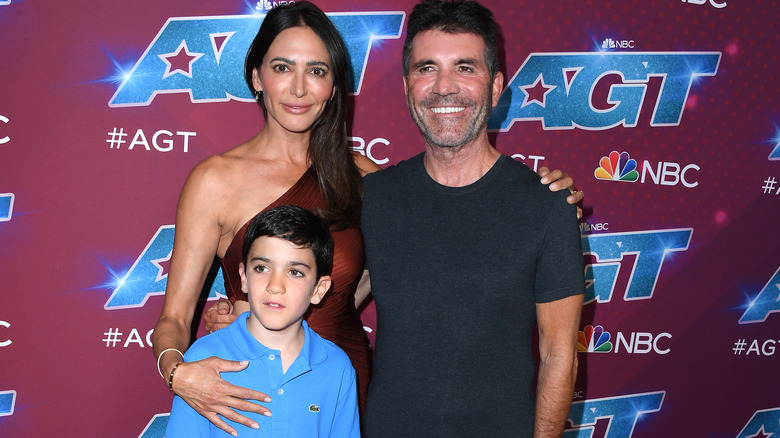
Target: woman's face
(295,78)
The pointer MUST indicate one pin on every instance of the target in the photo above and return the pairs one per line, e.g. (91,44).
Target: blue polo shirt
(317,397)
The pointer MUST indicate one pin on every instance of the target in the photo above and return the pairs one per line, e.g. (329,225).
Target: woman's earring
(258,95)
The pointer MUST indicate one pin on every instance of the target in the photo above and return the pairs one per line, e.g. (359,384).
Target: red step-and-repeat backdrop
(664,112)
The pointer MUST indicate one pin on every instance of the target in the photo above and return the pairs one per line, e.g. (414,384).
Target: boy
(287,260)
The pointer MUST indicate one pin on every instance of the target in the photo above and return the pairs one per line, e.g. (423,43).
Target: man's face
(448,87)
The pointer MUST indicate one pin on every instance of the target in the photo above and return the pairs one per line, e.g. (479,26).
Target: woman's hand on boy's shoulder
(218,316)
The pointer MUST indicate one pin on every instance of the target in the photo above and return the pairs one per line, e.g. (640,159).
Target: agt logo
(149,275)
(265,5)
(6,206)
(619,166)
(556,88)
(203,56)
(649,250)
(702,2)
(7,402)
(610,44)
(597,340)
(763,423)
(621,413)
(767,301)
(156,426)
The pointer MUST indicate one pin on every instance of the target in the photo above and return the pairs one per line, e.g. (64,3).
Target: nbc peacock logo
(618,166)
(594,340)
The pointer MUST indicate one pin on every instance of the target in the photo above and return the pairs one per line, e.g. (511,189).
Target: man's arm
(558,322)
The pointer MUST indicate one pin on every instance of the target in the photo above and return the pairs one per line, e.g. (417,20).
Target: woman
(297,68)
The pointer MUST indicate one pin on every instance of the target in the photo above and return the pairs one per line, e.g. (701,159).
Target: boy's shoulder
(336,353)
(323,350)
(219,343)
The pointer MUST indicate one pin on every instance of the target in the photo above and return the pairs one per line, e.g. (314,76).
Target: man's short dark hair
(456,16)
(296,225)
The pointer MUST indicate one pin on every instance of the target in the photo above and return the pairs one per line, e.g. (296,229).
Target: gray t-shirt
(456,273)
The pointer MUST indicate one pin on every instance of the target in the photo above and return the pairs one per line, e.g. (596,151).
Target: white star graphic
(535,90)
(161,271)
(761,433)
(181,52)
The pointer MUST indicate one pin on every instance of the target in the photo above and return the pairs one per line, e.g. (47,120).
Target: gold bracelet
(160,357)
(170,377)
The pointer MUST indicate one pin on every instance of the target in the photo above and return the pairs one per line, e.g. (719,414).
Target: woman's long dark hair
(338,176)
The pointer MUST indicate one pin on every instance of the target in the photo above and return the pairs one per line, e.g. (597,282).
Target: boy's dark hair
(296,225)
(456,16)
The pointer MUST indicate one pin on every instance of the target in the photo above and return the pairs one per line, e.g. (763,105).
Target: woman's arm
(364,164)
(195,244)
(363,289)
(196,239)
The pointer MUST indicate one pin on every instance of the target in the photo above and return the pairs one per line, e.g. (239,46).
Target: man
(467,252)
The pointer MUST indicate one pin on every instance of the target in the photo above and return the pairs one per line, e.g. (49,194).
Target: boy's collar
(313,351)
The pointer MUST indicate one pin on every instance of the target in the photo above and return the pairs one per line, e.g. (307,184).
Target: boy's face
(280,279)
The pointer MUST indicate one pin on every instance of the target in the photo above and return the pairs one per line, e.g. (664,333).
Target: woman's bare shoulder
(217,173)
(208,172)
(226,165)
